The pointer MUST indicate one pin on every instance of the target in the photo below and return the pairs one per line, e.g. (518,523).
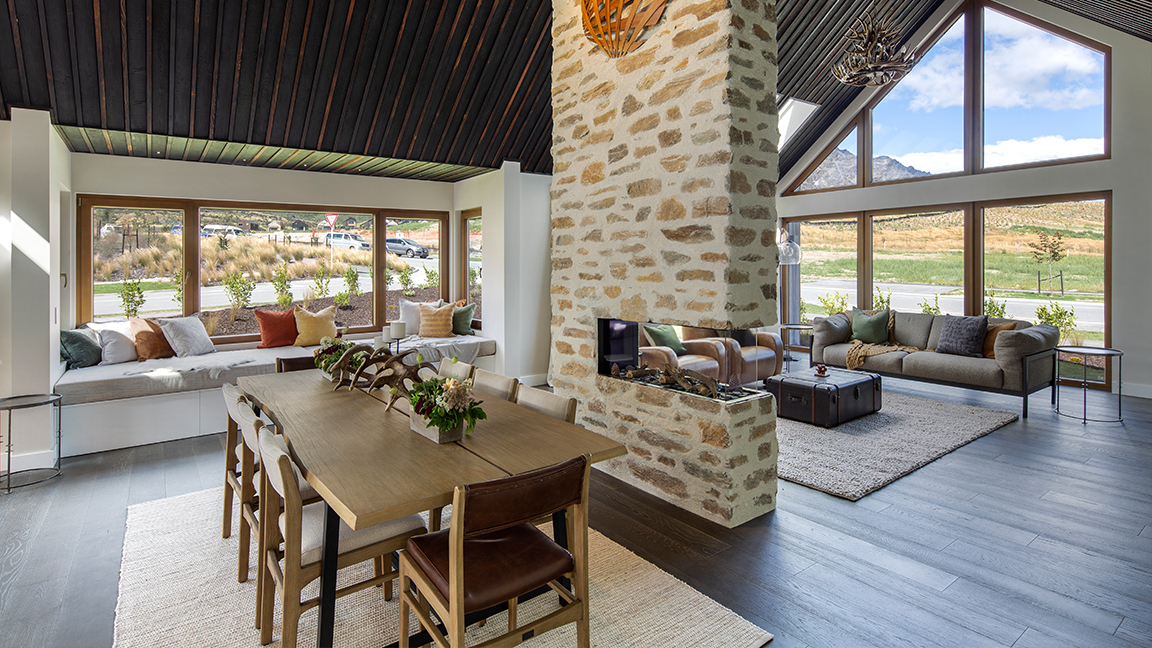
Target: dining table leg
(330,550)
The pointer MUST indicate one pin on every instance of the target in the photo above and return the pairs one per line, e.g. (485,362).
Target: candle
(386,333)
(399,330)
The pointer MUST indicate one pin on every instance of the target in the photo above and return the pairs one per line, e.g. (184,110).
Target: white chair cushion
(312,532)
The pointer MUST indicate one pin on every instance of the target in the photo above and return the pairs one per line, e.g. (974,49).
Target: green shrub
(930,309)
(239,290)
(352,281)
(404,276)
(342,299)
(178,281)
(993,308)
(1057,316)
(837,302)
(131,297)
(431,278)
(320,282)
(882,301)
(283,287)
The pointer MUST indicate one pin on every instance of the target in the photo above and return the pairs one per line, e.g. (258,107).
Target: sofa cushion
(1012,346)
(80,347)
(149,339)
(955,369)
(664,335)
(277,328)
(436,321)
(827,331)
(312,327)
(871,329)
(963,336)
(701,363)
(891,362)
(990,339)
(912,329)
(116,343)
(462,318)
(187,336)
(934,332)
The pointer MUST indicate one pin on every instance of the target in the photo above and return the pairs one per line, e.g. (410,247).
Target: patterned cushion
(963,336)
(150,340)
(436,321)
(311,327)
(187,336)
(410,314)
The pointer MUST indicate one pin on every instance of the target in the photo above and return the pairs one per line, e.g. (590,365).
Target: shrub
(882,301)
(131,297)
(930,309)
(178,281)
(431,279)
(308,297)
(993,308)
(342,299)
(404,276)
(211,321)
(283,288)
(320,281)
(474,283)
(1058,316)
(239,290)
(352,281)
(837,302)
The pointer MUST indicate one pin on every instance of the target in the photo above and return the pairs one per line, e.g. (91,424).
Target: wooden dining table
(370,467)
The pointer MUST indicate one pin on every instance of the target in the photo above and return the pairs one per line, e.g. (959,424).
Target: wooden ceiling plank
(296,76)
(389,94)
(124,65)
(318,61)
(242,36)
(420,82)
(279,71)
(218,38)
(372,94)
(172,58)
(14,22)
(195,58)
(44,43)
(258,74)
(372,25)
(319,141)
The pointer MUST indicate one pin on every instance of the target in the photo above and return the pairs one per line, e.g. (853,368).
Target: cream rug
(860,456)
(178,588)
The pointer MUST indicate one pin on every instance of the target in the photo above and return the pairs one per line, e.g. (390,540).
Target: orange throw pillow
(277,328)
(149,339)
(990,338)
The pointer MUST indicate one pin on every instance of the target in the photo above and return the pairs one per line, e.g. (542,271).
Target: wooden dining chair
(248,423)
(548,403)
(492,554)
(232,398)
(295,364)
(495,384)
(457,370)
(301,529)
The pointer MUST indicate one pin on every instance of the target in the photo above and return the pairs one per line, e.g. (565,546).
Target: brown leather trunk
(829,401)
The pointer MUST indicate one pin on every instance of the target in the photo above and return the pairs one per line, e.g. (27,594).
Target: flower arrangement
(331,348)
(446,403)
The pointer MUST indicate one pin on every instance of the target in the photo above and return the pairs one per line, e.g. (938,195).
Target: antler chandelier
(617,25)
(871,56)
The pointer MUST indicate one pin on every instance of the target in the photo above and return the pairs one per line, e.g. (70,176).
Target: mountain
(839,170)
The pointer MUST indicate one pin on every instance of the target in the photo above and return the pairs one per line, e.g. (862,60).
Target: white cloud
(939,162)
(1007,153)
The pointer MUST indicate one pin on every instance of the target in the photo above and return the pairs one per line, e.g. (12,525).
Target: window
(826,275)
(793,114)
(918,261)
(838,169)
(412,262)
(137,262)
(472,225)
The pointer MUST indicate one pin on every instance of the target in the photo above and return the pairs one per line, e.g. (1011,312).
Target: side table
(787,353)
(26,402)
(1081,353)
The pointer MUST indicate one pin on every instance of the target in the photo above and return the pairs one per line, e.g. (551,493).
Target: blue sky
(1043,100)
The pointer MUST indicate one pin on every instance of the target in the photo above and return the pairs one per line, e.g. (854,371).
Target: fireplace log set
(686,380)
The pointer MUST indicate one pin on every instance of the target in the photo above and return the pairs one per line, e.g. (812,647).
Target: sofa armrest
(709,347)
(1014,349)
(774,342)
(827,331)
(655,357)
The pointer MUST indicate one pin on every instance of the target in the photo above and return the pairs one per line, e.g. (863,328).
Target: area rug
(860,456)
(178,588)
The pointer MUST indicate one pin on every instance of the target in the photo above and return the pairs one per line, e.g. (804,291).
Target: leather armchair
(708,357)
(751,363)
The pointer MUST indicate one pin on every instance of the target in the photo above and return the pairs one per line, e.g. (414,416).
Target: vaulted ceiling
(439,90)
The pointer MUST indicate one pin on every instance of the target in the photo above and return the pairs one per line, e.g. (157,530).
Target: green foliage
(239,289)
(283,288)
(320,282)
(993,308)
(178,281)
(352,281)
(446,403)
(1058,316)
(342,299)
(882,301)
(431,279)
(404,276)
(131,297)
(474,287)
(837,302)
(930,309)
(1049,249)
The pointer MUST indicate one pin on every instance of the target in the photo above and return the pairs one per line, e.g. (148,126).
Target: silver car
(346,240)
(406,247)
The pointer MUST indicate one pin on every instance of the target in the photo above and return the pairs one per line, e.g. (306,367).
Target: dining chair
(249,424)
(295,364)
(495,384)
(548,403)
(232,397)
(457,370)
(492,554)
(301,529)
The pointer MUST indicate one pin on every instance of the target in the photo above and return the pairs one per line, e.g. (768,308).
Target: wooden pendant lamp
(618,25)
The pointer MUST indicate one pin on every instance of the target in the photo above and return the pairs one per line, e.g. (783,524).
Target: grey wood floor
(1039,534)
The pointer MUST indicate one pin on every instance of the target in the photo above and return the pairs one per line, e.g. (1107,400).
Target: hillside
(839,170)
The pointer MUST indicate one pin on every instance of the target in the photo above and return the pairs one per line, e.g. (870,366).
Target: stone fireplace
(663,209)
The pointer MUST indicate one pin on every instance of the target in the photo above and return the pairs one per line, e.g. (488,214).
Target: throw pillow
(462,319)
(436,321)
(277,328)
(187,336)
(870,329)
(664,335)
(990,338)
(410,314)
(116,343)
(149,339)
(963,336)
(80,348)
(311,327)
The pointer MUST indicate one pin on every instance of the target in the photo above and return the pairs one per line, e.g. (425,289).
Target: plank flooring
(1039,534)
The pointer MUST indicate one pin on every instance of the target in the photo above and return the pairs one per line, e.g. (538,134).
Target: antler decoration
(871,57)
(617,25)
(393,374)
(341,371)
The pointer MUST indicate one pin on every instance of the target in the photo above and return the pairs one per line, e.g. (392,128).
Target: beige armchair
(752,362)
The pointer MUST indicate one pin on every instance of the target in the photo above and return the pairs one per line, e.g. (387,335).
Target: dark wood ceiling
(359,86)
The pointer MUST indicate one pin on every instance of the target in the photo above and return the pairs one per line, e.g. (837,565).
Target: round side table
(1081,353)
(26,402)
(787,352)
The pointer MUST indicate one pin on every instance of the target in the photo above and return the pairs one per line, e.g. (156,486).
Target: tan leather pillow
(310,327)
(436,322)
(149,339)
(990,339)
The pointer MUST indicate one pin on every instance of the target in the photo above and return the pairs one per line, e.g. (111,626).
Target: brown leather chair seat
(501,565)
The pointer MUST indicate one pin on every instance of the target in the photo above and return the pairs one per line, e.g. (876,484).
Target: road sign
(331,220)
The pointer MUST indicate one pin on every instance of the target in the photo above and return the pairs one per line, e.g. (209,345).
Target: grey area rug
(178,588)
(861,456)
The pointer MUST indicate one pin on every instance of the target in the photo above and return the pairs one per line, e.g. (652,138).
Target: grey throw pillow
(963,336)
(80,347)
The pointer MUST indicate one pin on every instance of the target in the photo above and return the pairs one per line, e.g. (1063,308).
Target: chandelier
(618,25)
(871,55)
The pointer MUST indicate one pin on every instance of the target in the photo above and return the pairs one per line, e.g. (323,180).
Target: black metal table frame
(51,400)
(1103,352)
(799,327)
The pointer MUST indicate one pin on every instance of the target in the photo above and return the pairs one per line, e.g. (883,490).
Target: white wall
(1128,174)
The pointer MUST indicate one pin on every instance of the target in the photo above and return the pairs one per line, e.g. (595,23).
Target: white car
(228,231)
(346,240)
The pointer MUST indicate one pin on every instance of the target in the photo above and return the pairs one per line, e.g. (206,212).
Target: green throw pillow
(664,335)
(872,329)
(80,348)
(462,319)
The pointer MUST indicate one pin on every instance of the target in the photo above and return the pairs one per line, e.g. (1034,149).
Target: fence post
(1061,282)
(1037,283)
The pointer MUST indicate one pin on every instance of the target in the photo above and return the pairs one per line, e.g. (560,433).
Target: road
(907,298)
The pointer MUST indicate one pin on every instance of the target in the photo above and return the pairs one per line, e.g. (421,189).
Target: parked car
(406,247)
(229,231)
(346,240)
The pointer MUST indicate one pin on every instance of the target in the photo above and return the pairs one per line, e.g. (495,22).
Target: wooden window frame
(858,123)
(465,216)
(85,296)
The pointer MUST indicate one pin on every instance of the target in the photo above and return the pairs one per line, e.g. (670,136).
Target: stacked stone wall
(663,209)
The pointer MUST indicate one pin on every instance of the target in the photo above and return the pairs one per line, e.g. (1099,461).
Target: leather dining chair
(300,529)
(553,405)
(492,554)
(495,384)
(457,370)
(295,364)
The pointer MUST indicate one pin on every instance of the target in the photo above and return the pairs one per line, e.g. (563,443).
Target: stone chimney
(663,209)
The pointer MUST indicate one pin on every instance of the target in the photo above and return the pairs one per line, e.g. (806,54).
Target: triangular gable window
(837,170)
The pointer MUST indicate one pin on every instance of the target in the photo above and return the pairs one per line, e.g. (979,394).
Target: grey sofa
(1025,359)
